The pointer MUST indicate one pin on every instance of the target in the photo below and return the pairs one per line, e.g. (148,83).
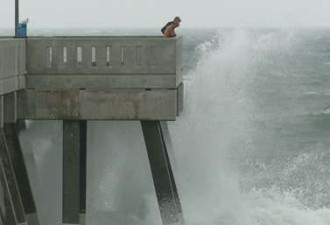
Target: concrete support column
(166,191)
(21,174)
(12,207)
(73,188)
(83,170)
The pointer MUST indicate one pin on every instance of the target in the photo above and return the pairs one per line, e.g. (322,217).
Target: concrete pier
(76,79)
(102,78)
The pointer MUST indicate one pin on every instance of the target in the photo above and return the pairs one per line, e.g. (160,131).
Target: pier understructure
(76,79)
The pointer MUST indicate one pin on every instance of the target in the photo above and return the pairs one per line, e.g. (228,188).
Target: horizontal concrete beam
(99,82)
(129,104)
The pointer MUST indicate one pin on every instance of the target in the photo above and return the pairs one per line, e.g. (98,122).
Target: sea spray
(42,149)
(213,120)
(215,135)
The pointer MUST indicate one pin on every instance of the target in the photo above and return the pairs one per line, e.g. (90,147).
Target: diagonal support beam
(21,174)
(7,216)
(168,144)
(157,148)
(9,180)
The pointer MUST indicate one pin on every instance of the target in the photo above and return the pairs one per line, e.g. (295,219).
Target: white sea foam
(217,116)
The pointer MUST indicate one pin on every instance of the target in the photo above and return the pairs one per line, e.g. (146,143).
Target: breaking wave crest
(214,140)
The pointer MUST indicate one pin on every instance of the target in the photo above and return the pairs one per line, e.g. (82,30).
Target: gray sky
(154,13)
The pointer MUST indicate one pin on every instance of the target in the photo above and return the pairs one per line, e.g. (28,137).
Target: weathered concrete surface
(126,104)
(99,82)
(12,65)
(162,174)
(82,62)
(10,107)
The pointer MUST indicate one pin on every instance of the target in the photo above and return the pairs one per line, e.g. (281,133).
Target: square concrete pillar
(74,172)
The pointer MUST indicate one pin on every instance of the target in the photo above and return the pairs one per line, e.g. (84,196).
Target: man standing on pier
(169,28)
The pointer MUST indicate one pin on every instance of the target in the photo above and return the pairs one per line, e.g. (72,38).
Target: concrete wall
(87,78)
(12,76)
(12,65)
(103,63)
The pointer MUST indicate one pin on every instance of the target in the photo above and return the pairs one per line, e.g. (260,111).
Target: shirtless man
(169,32)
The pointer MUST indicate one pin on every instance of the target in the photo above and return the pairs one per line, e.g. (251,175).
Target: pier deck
(97,78)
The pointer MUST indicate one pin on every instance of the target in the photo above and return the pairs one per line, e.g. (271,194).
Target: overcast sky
(154,13)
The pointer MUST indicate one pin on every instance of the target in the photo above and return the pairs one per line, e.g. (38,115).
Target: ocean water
(252,146)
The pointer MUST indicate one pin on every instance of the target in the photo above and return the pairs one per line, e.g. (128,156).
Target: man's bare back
(169,31)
